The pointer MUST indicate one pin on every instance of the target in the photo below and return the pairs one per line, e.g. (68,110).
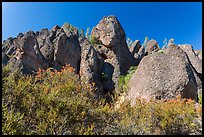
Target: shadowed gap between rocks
(106,77)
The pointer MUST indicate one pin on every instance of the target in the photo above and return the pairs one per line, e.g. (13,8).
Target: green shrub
(68,27)
(124,79)
(171,117)
(55,102)
(93,40)
(200,98)
(104,75)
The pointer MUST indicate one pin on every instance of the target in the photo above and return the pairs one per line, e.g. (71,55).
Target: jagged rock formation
(28,55)
(90,66)
(196,63)
(177,71)
(113,49)
(164,76)
(135,47)
(152,46)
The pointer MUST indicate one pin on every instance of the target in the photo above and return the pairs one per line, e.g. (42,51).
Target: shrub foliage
(55,102)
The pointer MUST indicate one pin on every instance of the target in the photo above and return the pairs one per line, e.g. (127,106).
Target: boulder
(152,46)
(163,76)
(90,66)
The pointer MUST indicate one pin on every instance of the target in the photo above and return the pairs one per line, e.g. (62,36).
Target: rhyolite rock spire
(113,49)
(177,70)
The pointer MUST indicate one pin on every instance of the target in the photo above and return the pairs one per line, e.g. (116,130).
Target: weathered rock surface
(5,59)
(29,54)
(67,51)
(198,53)
(163,76)
(176,72)
(141,53)
(110,32)
(90,66)
(135,47)
(45,39)
(152,46)
(113,49)
(195,61)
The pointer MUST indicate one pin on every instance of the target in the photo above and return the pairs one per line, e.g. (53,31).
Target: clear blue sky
(157,20)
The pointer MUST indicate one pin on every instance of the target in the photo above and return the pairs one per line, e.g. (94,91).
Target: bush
(55,102)
(171,117)
(124,79)
(68,27)
(93,40)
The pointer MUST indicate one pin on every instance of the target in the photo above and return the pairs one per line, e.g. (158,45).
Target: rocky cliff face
(177,71)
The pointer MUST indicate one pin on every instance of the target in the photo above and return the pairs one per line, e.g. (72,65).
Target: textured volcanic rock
(163,76)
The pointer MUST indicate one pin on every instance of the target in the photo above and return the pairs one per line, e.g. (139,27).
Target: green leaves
(54,102)
(124,79)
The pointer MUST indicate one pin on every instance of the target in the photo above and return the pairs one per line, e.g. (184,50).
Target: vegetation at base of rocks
(104,75)
(200,98)
(93,40)
(170,117)
(54,102)
(124,79)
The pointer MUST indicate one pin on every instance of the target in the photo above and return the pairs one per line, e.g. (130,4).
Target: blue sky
(157,20)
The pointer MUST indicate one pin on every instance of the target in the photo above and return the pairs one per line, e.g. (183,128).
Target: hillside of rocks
(105,56)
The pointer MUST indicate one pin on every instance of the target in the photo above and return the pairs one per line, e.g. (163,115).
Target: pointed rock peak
(109,31)
(55,28)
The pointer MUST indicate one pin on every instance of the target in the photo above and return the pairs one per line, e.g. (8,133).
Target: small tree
(87,33)
(145,42)
(81,33)
(165,44)
(171,41)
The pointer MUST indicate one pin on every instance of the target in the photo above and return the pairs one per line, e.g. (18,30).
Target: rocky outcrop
(163,76)
(110,32)
(177,71)
(135,47)
(44,39)
(152,46)
(67,51)
(28,53)
(195,61)
(113,49)
(141,53)
(90,66)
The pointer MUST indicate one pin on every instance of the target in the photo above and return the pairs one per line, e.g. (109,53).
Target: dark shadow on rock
(106,77)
